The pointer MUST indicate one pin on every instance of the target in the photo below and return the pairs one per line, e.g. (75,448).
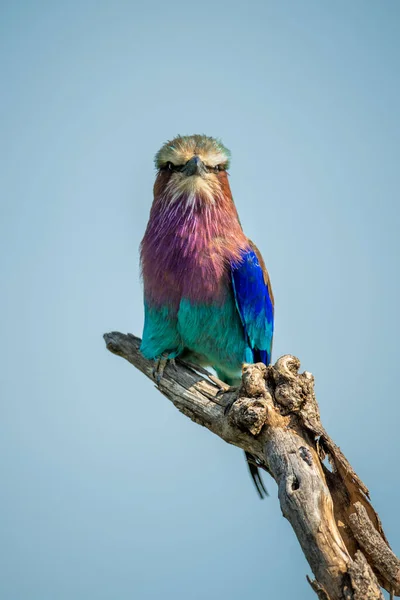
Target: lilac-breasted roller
(207,293)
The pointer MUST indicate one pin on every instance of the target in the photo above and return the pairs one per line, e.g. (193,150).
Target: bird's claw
(159,367)
(228,390)
(223,387)
(229,405)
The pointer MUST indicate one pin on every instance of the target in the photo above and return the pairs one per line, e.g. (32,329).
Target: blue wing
(255,303)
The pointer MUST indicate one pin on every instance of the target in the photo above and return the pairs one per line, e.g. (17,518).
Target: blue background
(107,492)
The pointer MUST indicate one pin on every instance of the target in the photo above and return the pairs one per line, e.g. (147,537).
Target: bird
(207,292)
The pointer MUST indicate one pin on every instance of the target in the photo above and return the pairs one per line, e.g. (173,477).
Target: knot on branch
(292,390)
(255,407)
(253,380)
(249,414)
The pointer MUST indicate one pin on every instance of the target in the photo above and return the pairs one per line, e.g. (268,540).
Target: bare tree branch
(275,417)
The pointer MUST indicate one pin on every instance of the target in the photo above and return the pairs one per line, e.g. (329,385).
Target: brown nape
(224,181)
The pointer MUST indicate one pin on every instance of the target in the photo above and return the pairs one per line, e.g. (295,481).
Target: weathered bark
(275,417)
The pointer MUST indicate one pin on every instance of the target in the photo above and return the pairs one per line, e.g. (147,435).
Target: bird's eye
(169,166)
(218,168)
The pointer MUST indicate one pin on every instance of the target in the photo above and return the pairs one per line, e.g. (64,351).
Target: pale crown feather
(181,149)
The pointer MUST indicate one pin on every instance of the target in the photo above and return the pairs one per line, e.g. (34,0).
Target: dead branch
(275,417)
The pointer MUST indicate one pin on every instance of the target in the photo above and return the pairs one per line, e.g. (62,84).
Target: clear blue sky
(107,492)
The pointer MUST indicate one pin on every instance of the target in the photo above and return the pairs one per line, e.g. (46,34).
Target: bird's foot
(228,389)
(224,388)
(159,366)
(231,402)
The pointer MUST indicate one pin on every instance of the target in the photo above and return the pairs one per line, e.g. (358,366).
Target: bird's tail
(255,475)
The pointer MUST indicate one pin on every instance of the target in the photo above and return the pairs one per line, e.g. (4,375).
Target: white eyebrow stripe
(211,159)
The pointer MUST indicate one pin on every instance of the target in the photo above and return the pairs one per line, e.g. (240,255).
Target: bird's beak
(194,166)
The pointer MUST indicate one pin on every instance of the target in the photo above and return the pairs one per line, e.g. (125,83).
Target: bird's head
(192,168)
